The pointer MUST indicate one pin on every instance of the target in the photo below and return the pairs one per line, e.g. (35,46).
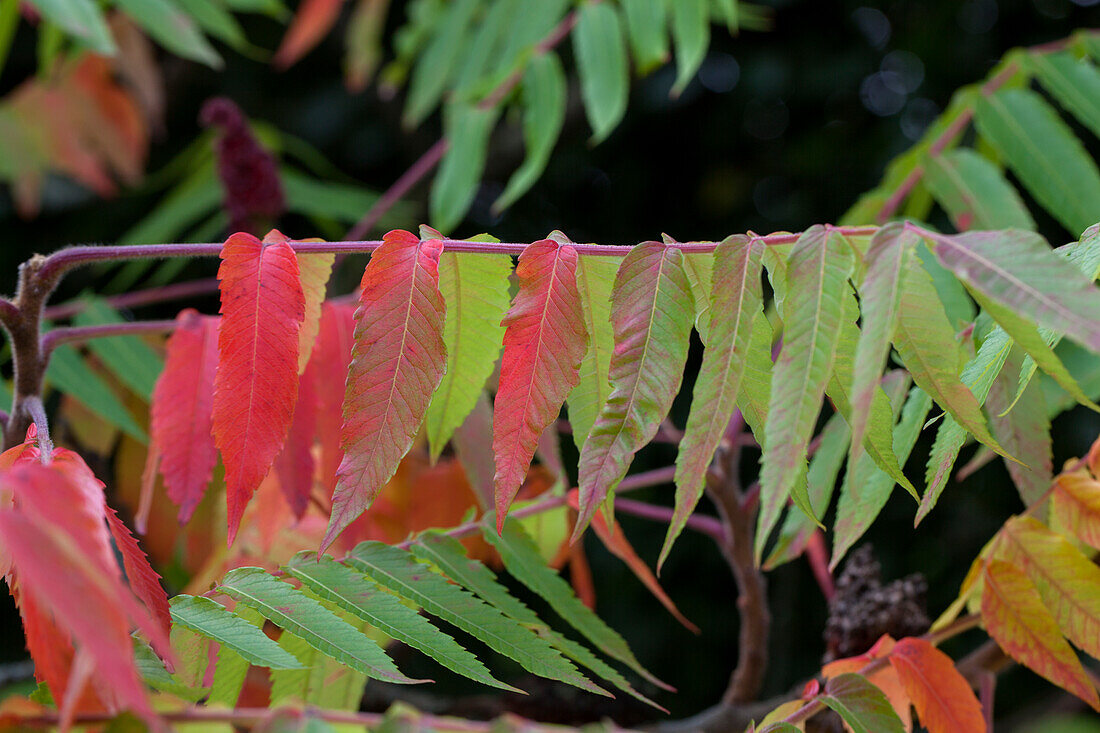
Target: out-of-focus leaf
(691,33)
(1074,82)
(974,192)
(602,64)
(129,358)
(173,29)
(437,64)
(81,19)
(646,23)
(68,373)
(862,705)
(466,129)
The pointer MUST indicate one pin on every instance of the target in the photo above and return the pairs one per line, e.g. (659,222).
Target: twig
(70,334)
(149,296)
(701,523)
(423,165)
(37,413)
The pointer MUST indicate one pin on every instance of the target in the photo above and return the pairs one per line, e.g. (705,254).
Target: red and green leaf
(652,312)
(595,276)
(544,343)
(397,362)
(1075,503)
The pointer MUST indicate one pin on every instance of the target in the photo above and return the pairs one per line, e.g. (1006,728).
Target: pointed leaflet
(448,555)
(315,271)
(863,706)
(645,22)
(816,281)
(1019,271)
(400,573)
(736,296)
(699,267)
(885,678)
(1076,505)
(257,380)
(1067,581)
(1074,82)
(467,128)
(691,33)
(888,258)
(1014,615)
(144,581)
(68,373)
(292,610)
(294,466)
(355,594)
(972,190)
(331,358)
(942,696)
(437,63)
(595,276)
(1043,151)
(324,682)
(651,312)
(475,291)
(129,358)
(1024,431)
(209,618)
(183,402)
(544,343)
(602,62)
(521,559)
(397,362)
(930,352)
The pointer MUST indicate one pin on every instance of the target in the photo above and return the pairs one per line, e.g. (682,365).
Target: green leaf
(1024,430)
(601,62)
(521,559)
(699,267)
(816,283)
(216,20)
(352,592)
(691,33)
(866,489)
(81,19)
(154,674)
(927,345)
(595,276)
(482,51)
(956,300)
(399,572)
(447,554)
(324,683)
(315,198)
(646,24)
(172,28)
(475,291)
(68,373)
(129,358)
(194,198)
(467,129)
(229,673)
(821,476)
(293,611)
(211,619)
(530,27)
(1042,150)
(544,98)
(736,296)
(1075,83)
(863,706)
(728,12)
(438,63)
(974,193)
(651,312)
(756,382)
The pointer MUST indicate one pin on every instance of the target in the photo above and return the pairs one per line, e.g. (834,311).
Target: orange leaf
(397,362)
(257,381)
(183,402)
(311,23)
(1014,615)
(884,678)
(1076,505)
(943,698)
(544,342)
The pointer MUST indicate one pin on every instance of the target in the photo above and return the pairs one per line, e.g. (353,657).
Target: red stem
(710,526)
(66,335)
(149,296)
(423,165)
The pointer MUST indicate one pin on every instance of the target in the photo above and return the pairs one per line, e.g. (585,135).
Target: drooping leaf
(212,17)
(397,362)
(1024,431)
(437,63)
(466,129)
(544,343)
(230,671)
(736,297)
(974,193)
(130,359)
(144,581)
(1042,150)
(651,312)
(691,34)
(173,29)
(330,362)
(82,19)
(884,678)
(311,23)
(816,281)
(209,618)
(68,373)
(1074,82)
(756,382)
(256,384)
(602,63)
(862,705)
(475,292)
(699,267)
(294,466)
(399,572)
(294,611)
(521,559)
(1076,505)
(314,270)
(942,696)
(1014,615)
(357,595)
(323,682)
(646,26)
(595,277)
(448,555)
(544,101)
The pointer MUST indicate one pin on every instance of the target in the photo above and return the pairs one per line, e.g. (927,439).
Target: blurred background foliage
(780,128)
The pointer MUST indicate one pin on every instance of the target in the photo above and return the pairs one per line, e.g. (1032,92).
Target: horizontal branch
(148,296)
(65,259)
(71,334)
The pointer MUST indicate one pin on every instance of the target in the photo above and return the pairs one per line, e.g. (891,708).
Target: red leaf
(183,401)
(144,581)
(397,362)
(544,342)
(311,23)
(331,356)
(257,381)
(294,465)
(943,698)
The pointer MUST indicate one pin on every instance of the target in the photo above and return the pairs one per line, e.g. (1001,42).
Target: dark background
(780,130)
